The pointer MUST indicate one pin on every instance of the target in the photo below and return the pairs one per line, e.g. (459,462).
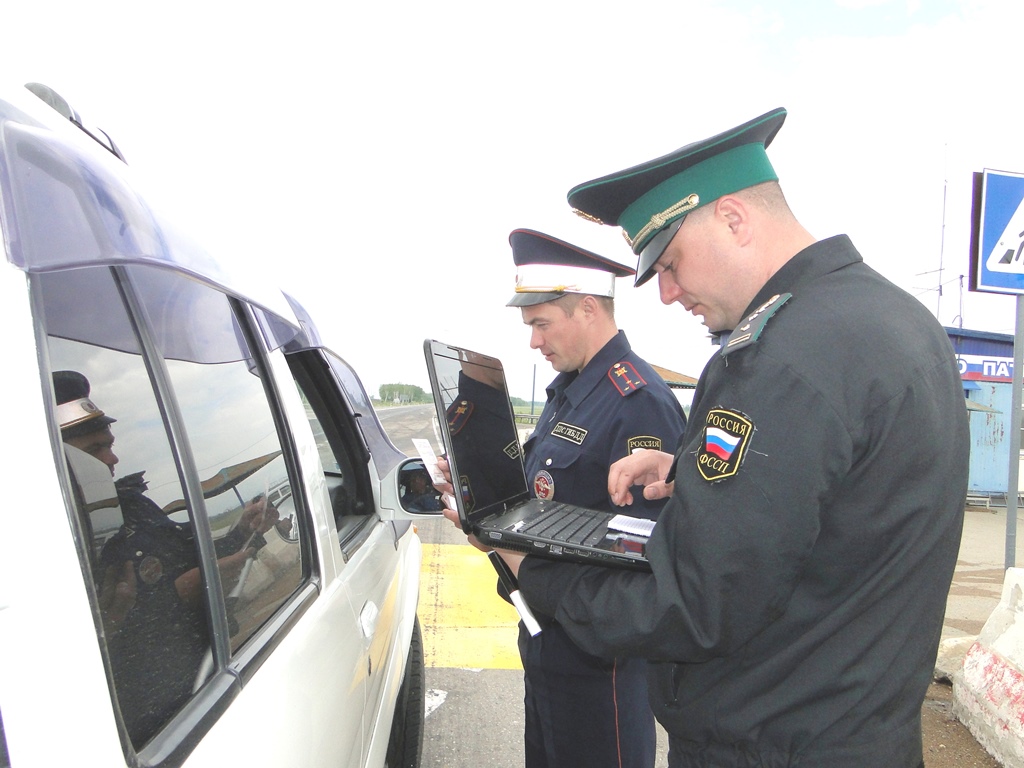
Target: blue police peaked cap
(649,201)
(549,268)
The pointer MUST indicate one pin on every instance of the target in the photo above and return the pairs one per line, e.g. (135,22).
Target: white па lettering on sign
(974,366)
(996,368)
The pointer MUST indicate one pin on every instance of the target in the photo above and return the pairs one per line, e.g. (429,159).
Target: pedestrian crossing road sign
(997,253)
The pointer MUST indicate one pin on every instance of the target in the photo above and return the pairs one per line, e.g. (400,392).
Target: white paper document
(426,452)
(638,526)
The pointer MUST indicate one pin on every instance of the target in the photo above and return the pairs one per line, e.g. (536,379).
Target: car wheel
(406,744)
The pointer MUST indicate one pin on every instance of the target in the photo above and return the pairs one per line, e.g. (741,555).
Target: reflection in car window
(141,536)
(239,458)
(156,634)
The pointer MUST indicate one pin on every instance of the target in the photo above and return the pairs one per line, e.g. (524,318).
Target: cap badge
(77,411)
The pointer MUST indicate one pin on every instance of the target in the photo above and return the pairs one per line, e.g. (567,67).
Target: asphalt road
(403,423)
(474,677)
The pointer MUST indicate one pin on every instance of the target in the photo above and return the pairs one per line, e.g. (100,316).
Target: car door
(369,559)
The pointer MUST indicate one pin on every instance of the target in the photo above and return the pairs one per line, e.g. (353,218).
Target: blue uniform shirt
(595,417)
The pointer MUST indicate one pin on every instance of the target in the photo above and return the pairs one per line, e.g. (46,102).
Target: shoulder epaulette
(750,330)
(626,378)
(458,414)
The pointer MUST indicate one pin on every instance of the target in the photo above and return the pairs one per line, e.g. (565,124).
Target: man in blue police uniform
(150,584)
(583,709)
(801,566)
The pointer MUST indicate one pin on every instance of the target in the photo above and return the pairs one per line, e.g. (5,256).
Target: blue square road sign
(1000,260)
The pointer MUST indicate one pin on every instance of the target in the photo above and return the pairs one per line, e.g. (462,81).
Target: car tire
(406,743)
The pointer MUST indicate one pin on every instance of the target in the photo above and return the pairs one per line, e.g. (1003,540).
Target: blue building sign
(985,368)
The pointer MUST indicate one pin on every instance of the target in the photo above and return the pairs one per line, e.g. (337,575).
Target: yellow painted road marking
(465,624)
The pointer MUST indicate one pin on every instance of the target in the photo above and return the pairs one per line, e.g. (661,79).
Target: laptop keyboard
(577,527)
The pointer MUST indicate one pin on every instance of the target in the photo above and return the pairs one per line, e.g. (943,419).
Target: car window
(238,456)
(385,455)
(343,454)
(178,475)
(138,556)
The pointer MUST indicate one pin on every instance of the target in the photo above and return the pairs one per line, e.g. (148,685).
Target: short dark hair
(570,301)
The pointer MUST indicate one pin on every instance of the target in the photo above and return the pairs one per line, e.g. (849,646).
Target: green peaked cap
(649,198)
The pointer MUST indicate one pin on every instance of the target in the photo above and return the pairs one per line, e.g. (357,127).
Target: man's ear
(589,306)
(736,216)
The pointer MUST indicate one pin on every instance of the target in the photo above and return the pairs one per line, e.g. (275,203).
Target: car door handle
(368,619)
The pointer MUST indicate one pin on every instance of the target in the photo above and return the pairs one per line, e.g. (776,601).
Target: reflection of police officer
(478,422)
(148,572)
(585,710)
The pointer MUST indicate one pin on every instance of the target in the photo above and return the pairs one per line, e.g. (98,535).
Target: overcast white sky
(378,154)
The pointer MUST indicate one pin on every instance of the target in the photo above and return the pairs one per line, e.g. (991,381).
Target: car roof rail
(61,105)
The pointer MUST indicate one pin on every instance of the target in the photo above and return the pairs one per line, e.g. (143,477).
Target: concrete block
(988,690)
(951,657)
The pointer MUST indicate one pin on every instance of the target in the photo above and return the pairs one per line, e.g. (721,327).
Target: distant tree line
(523,406)
(406,394)
(403,393)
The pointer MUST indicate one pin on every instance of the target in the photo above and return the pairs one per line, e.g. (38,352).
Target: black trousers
(582,710)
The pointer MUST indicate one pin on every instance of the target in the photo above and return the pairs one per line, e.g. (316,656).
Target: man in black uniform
(583,709)
(802,563)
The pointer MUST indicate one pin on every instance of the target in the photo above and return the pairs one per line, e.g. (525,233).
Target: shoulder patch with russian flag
(724,444)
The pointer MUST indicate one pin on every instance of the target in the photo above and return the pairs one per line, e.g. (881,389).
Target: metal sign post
(1012,491)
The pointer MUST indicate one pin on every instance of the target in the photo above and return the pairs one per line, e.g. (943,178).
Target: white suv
(204,561)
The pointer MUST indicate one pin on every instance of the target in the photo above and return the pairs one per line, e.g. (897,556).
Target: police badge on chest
(544,485)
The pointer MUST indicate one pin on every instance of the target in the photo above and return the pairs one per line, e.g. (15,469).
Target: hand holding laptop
(484,452)
(447,489)
(505,563)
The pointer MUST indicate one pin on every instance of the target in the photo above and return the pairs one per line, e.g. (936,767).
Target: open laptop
(482,444)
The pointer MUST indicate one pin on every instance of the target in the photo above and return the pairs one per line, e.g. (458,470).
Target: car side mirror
(416,492)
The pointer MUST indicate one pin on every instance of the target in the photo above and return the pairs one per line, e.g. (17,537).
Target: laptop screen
(482,440)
